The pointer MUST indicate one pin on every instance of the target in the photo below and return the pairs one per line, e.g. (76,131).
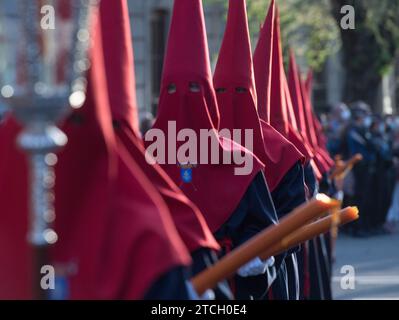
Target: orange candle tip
(327,200)
(355,212)
(355,209)
(350,214)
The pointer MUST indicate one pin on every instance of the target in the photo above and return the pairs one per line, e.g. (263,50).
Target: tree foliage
(369,50)
(306,25)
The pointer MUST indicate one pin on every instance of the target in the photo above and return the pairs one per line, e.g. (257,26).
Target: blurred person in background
(370,186)
(392,221)
(383,179)
(337,123)
(356,139)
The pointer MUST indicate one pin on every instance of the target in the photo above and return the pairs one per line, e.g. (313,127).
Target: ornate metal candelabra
(43,61)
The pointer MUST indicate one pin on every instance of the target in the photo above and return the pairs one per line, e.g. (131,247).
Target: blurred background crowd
(373,185)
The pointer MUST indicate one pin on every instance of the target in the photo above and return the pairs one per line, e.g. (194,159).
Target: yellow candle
(311,231)
(230,263)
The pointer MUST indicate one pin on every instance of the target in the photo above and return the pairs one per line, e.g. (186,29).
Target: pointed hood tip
(278,106)
(235,58)
(262,61)
(272,5)
(266,26)
(119,61)
(187,42)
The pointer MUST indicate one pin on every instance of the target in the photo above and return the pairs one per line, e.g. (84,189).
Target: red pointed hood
(278,108)
(296,89)
(321,138)
(321,163)
(307,110)
(263,64)
(236,94)
(294,133)
(294,85)
(234,66)
(107,193)
(187,52)
(188,100)
(120,72)
(108,215)
(281,108)
(119,65)
(271,80)
(234,78)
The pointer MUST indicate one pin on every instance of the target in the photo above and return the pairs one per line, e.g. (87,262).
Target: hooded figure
(276,152)
(271,106)
(326,186)
(322,244)
(229,201)
(318,253)
(323,164)
(116,237)
(270,78)
(321,137)
(304,118)
(119,63)
(237,99)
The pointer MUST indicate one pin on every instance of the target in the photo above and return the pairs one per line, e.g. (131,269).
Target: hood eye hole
(172,88)
(194,87)
(241,90)
(221,90)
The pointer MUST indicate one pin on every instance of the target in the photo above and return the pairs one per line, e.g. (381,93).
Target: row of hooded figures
(128,229)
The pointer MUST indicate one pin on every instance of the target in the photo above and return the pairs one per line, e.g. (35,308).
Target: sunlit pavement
(375,263)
